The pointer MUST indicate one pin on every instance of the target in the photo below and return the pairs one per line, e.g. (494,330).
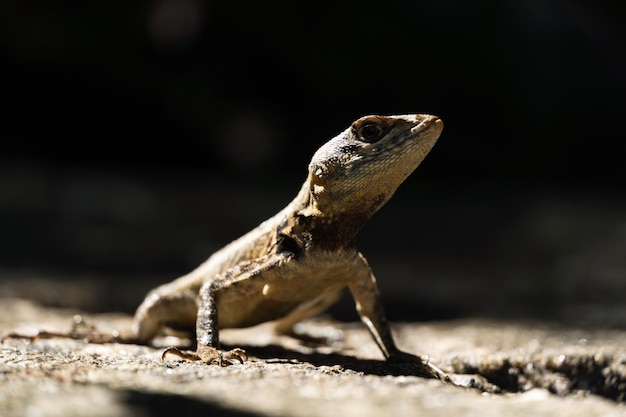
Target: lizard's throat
(331,222)
(342,224)
(331,232)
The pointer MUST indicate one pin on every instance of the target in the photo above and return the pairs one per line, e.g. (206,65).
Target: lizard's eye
(370,132)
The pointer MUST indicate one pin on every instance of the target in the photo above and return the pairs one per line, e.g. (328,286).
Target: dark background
(137,138)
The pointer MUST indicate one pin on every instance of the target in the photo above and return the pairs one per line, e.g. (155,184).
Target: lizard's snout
(428,122)
(438,126)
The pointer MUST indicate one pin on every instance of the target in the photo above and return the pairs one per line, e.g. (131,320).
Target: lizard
(293,265)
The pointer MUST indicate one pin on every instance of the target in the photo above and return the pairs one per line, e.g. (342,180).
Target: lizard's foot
(209,355)
(426,367)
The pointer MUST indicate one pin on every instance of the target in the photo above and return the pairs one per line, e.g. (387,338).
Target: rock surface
(515,369)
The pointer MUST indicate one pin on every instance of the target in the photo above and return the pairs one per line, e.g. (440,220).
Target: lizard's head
(360,169)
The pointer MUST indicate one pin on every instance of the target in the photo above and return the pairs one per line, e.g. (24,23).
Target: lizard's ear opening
(318,181)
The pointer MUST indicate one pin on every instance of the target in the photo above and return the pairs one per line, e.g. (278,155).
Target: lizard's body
(293,265)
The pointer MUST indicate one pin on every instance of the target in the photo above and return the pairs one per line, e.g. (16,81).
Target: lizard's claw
(434,371)
(423,362)
(184,354)
(209,355)
(231,356)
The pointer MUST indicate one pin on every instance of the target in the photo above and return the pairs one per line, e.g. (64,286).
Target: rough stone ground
(527,368)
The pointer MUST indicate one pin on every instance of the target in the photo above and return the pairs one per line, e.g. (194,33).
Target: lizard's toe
(233,356)
(186,355)
(426,367)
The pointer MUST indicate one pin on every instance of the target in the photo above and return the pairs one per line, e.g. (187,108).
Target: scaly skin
(293,265)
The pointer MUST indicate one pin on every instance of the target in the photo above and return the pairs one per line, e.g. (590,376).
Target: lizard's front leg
(207,331)
(238,282)
(367,298)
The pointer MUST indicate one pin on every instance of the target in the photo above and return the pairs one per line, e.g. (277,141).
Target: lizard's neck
(320,224)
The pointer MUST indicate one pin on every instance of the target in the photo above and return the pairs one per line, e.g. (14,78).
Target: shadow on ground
(152,404)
